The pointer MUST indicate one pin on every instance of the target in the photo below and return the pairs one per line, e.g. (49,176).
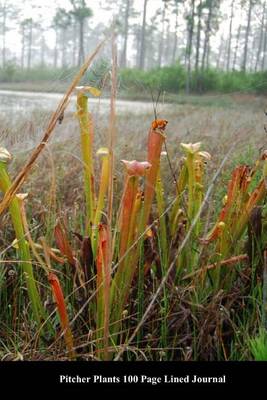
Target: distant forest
(196,35)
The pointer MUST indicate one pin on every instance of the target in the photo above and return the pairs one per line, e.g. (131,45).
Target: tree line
(150,34)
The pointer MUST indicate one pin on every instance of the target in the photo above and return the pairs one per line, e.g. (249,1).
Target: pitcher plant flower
(103,153)
(129,211)
(62,311)
(156,138)
(103,292)
(86,133)
(234,216)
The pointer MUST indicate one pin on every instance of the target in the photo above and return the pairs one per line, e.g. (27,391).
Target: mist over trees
(198,35)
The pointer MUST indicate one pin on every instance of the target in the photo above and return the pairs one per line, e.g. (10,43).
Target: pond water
(15,101)
(24,117)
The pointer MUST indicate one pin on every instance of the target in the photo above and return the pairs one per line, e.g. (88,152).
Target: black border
(42,378)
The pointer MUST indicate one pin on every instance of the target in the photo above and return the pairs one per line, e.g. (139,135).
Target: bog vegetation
(135,82)
(152,273)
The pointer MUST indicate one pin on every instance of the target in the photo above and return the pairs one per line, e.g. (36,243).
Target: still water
(21,102)
(24,117)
